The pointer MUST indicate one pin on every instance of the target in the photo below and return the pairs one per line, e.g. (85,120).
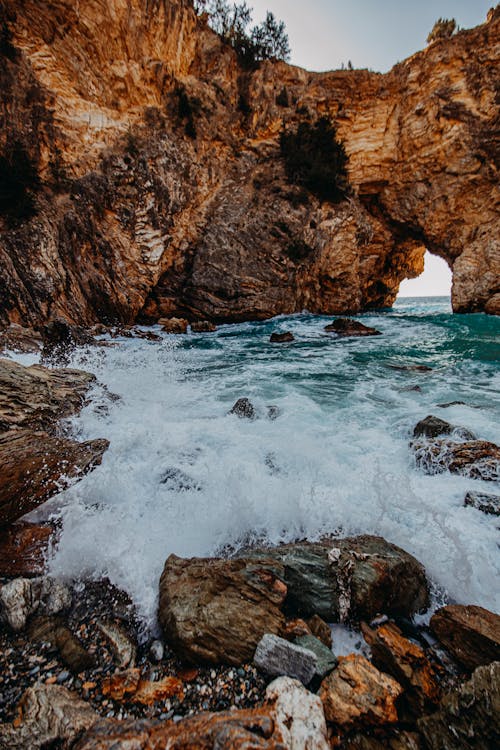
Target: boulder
(173,325)
(325,658)
(276,657)
(243,409)
(203,326)
(489,504)
(281,338)
(357,694)
(36,466)
(471,634)
(348,327)
(23,550)
(23,597)
(298,715)
(468,717)
(356,577)
(407,663)
(476,459)
(218,610)
(432,427)
(47,716)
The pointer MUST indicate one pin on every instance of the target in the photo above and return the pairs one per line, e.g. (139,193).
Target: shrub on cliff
(315,159)
(442,29)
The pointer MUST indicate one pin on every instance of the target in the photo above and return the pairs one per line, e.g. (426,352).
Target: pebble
(62,677)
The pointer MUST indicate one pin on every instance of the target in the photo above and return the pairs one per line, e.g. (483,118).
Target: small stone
(276,657)
(203,326)
(273,412)
(347,327)
(62,677)
(244,409)
(489,504)
(281,338)
(326,660)
(157,651)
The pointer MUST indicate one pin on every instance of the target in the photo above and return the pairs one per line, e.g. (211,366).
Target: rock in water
(357,694)
(47,714)
(471,634)
(203,326)
(432,427)
(489,504)
(281,338)
(277,657)
(476,459)
(218,610)
(173,325)
(244,409)
(469,717)
(348,327)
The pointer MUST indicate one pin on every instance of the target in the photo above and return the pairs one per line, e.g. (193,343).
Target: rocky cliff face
(142,174)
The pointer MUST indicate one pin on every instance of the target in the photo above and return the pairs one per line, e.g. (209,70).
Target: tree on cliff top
(442,29)
(231,21)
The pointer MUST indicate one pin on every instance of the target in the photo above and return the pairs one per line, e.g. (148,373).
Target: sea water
(184,476)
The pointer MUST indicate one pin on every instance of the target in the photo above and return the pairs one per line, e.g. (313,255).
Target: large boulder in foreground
(352,578)
(469,717)
(471,634)
(218,610)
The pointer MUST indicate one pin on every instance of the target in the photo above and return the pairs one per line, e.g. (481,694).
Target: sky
(374,34)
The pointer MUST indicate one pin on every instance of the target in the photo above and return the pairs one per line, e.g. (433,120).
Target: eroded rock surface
(470,633)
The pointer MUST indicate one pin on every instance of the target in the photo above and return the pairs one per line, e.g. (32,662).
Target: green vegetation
(315,159)
(442,29)
(231,21)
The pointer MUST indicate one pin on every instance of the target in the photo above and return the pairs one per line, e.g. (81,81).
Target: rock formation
(142,175)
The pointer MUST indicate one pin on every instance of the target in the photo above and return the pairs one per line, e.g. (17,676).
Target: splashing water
(182,476)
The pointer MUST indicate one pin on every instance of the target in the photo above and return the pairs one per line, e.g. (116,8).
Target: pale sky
(373,34)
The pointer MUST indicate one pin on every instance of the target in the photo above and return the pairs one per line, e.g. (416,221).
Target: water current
(183,476)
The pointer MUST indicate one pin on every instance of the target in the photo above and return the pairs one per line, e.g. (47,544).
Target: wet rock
(244,409)
(411,368)
(36,466)
(489,504)
(21,598)
(298,715)
(432,427)
(357,694)
(275,657)
(47,714)
(273,412)
(321,630)
(476,459)
(471,634)
(23,550)
(60,338)
(325,658)
(356,577)
(218,610)
(18,339)
(157,651)
(407,663)
(469,717)
(203,326)
(349,327)
(281,338)
(173,325)
(176,480)
(452,403)
(53,630)
(392,740)
(123,648)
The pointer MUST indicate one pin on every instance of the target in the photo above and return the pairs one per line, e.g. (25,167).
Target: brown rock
(218,610)
(122,685)
(321,630)
(203,326)
(469,717)
(23,550)
(281,338)
(407,663)
(356,693)
(349,327)
(47,714)
(294,629)
(393,740)
(476,459)
(149,693)
(53,630)
(36,466)
(471,634)
(173,325)
(18,339)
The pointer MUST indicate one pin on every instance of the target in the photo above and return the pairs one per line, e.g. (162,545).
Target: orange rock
(149,693)
(321,630)
(121,685)
(23,549)
(356,693)
(188,675)
(295,628)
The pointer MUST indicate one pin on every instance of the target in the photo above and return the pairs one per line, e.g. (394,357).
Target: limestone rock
(298,715)
(471,634)
(22,597)
(281,338)
(469,717)
(356,693)
(173,325)
(277,657)
(47,714)
(489,504)
(244,409)
(344,327)
(218,610)
(476,459)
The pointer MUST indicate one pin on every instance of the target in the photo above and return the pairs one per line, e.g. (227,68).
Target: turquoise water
(184,476)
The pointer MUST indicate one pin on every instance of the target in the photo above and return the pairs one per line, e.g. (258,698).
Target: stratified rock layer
(149,180)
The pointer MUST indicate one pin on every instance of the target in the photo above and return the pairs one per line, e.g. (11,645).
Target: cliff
(142,174)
